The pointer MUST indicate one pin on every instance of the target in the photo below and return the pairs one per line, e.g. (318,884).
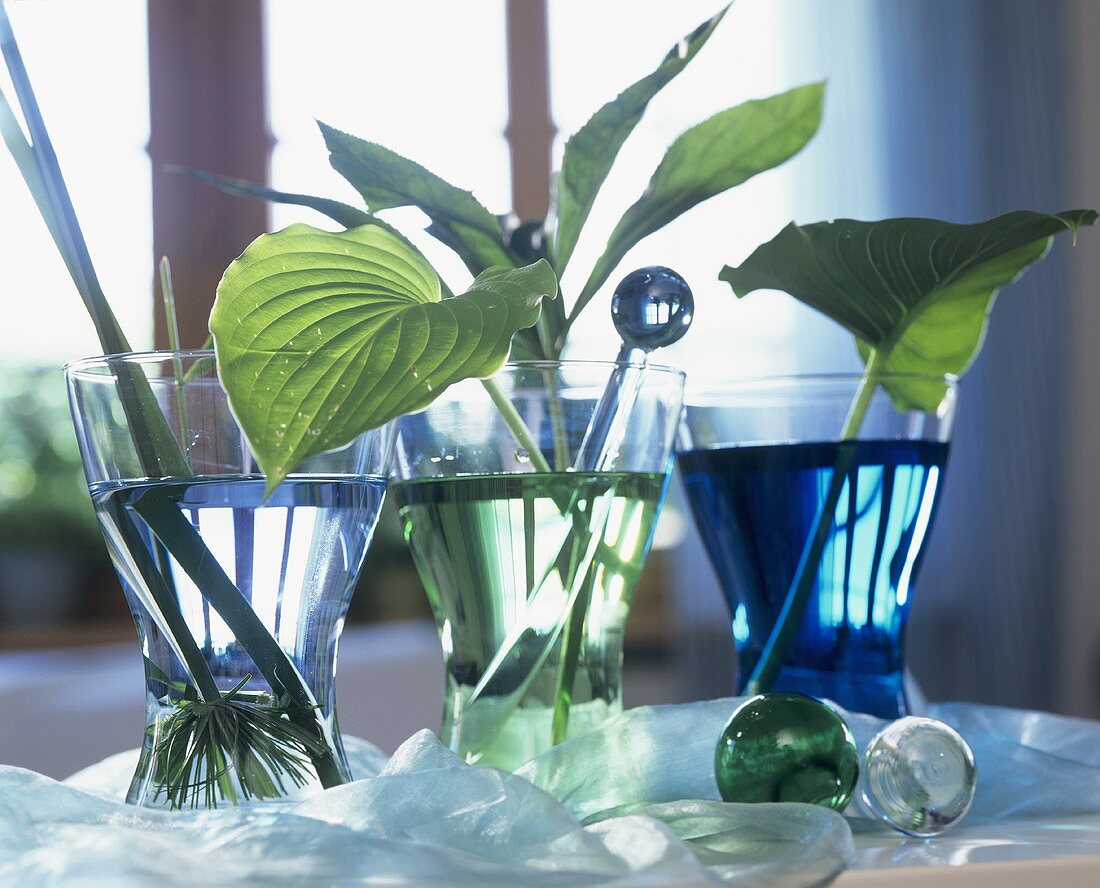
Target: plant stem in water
(516,424)
(794,606)
(572,636)
(175,627)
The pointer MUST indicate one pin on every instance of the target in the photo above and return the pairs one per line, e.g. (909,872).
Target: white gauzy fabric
(633,803)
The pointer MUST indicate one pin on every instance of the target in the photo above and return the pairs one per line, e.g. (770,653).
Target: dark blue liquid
(755,508)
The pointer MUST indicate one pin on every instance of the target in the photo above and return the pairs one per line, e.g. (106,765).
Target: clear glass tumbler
(239,598)
(758,458)
(530,559)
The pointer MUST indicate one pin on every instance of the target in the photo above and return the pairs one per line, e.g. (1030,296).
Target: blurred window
(89,65)
(396,74)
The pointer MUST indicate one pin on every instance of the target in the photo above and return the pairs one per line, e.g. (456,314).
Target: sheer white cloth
(633,803)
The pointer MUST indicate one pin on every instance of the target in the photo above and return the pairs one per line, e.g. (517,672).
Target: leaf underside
(917,291)
(340,212)
(321,336)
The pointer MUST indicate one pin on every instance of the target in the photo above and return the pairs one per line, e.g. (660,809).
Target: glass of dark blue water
(238,593)
(757,458)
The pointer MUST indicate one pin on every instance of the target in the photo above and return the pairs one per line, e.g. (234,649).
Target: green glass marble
(786,748)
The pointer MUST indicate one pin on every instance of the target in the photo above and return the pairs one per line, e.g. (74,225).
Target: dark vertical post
(207,110)
(530,131)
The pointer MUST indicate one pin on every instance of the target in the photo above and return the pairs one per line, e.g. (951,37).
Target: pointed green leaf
(591,151)
(338,211)
(916,291)
(321,336)
(387,180)
(714,156)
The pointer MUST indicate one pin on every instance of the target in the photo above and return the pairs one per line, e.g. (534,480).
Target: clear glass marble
(919,776)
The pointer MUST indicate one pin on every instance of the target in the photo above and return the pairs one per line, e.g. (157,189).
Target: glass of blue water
(757,458)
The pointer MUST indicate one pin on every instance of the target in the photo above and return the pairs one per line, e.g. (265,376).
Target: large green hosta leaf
(321,336)
(592,149)
(711,157)
(915,292)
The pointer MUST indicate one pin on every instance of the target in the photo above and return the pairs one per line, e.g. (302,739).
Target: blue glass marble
(652,307)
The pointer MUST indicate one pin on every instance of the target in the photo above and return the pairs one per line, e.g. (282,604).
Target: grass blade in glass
(294,567)
(755,507)
(504,558)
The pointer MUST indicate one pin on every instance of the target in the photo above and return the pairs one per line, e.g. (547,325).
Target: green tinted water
(506,561)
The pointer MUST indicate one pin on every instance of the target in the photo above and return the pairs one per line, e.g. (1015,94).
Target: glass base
(506,737)
(879,695)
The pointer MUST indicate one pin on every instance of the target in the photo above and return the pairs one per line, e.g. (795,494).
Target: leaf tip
(272,480)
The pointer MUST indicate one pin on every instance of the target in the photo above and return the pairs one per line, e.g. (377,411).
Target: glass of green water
(529,559)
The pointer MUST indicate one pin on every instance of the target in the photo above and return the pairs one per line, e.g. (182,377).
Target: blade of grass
(23,153)
(157,448)
(171,323)
(57,196)
(166,521)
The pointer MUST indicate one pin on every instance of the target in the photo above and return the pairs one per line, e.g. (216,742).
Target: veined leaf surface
(917,292)
(321,336)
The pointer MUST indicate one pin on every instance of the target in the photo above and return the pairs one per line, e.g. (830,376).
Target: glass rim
(90,367)
(549,364)
(950,379)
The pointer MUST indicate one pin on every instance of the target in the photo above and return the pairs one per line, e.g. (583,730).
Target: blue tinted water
(755,508)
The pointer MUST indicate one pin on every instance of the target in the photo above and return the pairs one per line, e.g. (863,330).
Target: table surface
(1066,872)
(45,694)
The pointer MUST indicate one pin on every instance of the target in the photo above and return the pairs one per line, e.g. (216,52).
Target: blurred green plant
(43,499)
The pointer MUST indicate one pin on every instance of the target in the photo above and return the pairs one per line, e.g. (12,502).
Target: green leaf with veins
(591,150)
(321,336)
(915,292)
(714,156)
(385,179)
